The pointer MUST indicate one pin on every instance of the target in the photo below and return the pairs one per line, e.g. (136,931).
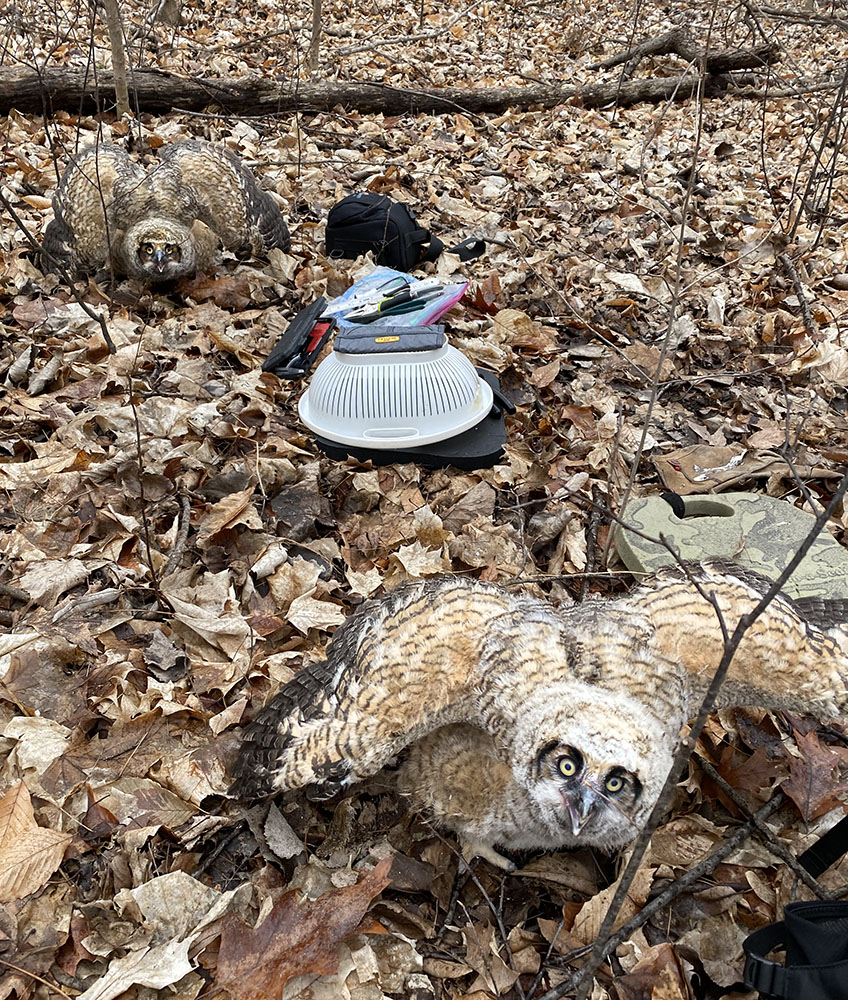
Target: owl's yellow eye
(146,249)
(614,783)
(170,249)
(567,767)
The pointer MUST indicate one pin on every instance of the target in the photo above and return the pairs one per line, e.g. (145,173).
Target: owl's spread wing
(85,215)
(449,651)
(209,183)
(793,656)
(396,670)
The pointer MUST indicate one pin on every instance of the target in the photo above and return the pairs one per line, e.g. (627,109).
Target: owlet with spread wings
(530,726)
(159,224)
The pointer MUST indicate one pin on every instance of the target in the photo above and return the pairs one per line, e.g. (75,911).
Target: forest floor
(173,546)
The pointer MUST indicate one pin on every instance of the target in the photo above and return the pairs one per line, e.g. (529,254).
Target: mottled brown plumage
(530,726)
(163,223)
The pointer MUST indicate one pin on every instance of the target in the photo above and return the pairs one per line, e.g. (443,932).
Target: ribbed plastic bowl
(386,400)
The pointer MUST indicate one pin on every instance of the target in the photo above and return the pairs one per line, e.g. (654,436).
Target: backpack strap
(430,246)
(468,249)
(827,850)
(814,936)
(766,977)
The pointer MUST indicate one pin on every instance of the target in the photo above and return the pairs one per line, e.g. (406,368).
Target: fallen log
(68,89)
(678,41)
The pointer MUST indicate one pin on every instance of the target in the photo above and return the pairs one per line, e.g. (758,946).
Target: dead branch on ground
(678,41)
(29,90)
(606,939)
(802,16)
(688,880)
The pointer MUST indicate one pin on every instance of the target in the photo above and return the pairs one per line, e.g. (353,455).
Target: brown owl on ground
(531,726)
(159,224)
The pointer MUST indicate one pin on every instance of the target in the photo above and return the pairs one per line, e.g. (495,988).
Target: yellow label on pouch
(385,340)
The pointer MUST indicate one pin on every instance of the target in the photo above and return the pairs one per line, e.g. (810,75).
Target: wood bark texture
(65,88)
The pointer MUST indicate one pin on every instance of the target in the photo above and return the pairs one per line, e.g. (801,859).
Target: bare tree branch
(678,41)
(677,888)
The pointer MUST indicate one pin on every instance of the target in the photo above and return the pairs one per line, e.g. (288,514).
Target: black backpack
(814,936)
(365,221)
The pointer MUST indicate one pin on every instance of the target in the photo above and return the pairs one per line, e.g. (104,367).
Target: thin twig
(15,593)
(592,538)
(496,913)
(38,979)
(180,543)
(61,270)
(791,270)
(802,17)
(145,522)
(422,36)
(667,342)
(677,888)
(686,746)
(86,603)
(762,831)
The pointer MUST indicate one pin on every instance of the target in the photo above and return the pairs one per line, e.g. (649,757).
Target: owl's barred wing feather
(823,612)
(161,224)
(396,670)
(222,193)
(85,209)
(794,656)
(265,740)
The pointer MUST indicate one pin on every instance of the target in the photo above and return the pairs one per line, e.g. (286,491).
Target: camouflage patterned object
(758,532)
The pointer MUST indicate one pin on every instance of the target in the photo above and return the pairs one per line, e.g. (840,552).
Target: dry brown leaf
(588,921)
(226,291)
(306,613)
(140,802)
(296,937)
(545,375)
(647,358)
(811,784)
(658,975)
(482,953)
(29,853)
(235,509)
(155,968)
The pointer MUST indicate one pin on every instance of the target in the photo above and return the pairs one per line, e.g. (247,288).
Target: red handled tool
(296,350)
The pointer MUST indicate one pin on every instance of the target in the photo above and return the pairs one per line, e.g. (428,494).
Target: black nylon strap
(762,975)
(431,249)
(470,248)
(815,937)
(827,850)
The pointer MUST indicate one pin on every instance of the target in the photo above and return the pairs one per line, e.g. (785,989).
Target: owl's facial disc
(158,256)
(585,788)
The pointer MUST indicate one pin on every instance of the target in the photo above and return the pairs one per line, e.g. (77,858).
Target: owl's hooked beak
(160,260)
(580,803)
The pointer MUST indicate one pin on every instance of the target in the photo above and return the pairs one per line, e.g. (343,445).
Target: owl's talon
(479,849)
